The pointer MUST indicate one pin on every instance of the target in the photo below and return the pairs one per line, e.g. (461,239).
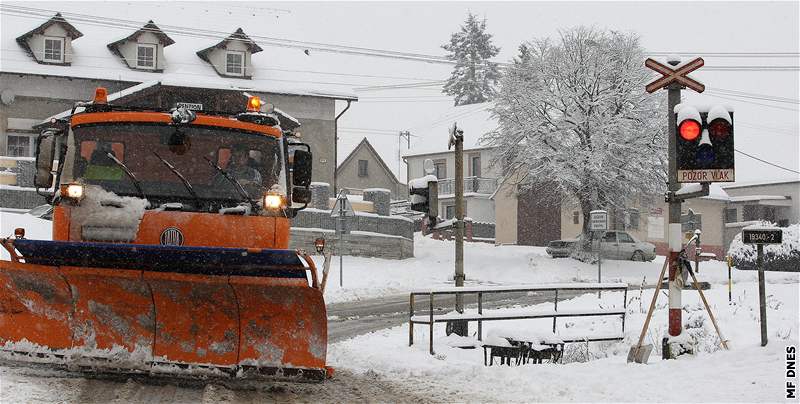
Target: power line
(770,99)
(765,96)
(26,12)
(766,162)
(757,103)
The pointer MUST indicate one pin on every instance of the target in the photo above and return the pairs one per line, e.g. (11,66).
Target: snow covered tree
(575,121)
(474,77)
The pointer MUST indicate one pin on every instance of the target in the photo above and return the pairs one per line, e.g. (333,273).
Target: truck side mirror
(301,168)
(45,151)
(301,195)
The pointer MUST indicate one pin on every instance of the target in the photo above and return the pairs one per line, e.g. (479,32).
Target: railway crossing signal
(675,75)
(704,144)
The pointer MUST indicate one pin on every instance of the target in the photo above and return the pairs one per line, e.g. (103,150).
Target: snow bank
(490,265)
(746,373)
(777,257)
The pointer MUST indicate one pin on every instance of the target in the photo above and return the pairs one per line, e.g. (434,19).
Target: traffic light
(704,144)
(423,193)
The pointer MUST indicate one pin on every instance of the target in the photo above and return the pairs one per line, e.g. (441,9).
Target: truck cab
(175,177)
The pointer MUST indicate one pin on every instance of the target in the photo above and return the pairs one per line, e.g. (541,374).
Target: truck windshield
(252,159)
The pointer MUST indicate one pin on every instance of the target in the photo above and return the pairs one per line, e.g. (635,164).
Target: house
(480,176)
(721,215)
(523,216)
(516,215)
(364,168)
(147,56)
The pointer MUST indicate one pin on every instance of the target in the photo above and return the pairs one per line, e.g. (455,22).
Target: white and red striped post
(675,244)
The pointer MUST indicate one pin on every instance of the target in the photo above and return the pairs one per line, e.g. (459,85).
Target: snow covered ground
(746,373)
(433,263)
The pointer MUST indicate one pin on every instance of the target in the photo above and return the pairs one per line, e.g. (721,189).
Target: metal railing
(478,185)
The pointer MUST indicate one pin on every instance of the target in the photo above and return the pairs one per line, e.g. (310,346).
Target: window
(576,217)
(625,238)
(19,146)
(146,56)
(475,166)
(54,49)
(234,63)
(610,237)
(440,168)
(731,215)
(362,168)
(449,211)
(632,219)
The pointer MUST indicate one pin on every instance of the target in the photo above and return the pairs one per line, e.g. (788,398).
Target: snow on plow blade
(163,309)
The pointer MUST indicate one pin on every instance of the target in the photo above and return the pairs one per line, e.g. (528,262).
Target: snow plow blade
(194,311)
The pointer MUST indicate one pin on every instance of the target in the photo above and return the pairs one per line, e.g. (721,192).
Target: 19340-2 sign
(762,236)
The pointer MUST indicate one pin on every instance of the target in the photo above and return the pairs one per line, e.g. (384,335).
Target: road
(346,320)
(350,319)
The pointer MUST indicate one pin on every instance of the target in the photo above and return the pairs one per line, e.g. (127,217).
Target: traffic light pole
(675,323)
(459,276)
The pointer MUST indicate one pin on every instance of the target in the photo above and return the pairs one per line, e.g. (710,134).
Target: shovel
(640,353)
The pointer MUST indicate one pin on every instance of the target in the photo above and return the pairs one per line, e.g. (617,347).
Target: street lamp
(319,244)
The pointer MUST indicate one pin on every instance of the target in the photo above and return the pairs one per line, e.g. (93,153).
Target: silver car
(620,245)
(614,244)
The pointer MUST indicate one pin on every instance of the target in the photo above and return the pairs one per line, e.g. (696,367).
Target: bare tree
(574,115)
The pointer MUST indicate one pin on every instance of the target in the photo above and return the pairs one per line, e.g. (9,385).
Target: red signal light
(719,129)
(253,104)
(689,130)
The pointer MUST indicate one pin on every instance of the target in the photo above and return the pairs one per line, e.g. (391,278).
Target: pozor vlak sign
(704,144)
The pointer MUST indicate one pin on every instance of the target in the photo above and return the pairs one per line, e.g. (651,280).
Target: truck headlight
(73,192)
(273,201)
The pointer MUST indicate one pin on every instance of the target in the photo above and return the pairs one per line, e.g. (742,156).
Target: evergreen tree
(474,77)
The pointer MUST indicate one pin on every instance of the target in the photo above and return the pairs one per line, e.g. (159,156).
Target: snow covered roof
(753,198)
(758,183)
(715,191)
(193,27)
(474,119)
(238,35)
(150,27)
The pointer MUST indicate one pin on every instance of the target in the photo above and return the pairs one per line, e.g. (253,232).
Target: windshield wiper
(183,179)
(236,184)
(122,165)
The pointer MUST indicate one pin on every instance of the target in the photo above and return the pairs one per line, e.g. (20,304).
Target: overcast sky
(764,128)
(769,131)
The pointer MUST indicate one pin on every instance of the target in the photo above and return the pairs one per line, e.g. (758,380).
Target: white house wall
(415,163)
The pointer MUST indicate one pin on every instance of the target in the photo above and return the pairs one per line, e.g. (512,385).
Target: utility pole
(403,134)
(457,140)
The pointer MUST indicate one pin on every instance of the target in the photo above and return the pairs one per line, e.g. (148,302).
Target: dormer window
(53,49)
(234,63)
(143,49)
(51,42)
(146,56)
(231,57)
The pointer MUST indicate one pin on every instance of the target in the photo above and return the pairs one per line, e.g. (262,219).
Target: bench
(480,317)
(521,348)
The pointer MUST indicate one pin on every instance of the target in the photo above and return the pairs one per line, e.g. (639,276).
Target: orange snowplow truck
(170,248)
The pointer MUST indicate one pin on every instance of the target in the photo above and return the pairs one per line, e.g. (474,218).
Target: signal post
(674,79)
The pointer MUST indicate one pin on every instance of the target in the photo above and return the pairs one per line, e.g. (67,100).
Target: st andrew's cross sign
(679,75)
